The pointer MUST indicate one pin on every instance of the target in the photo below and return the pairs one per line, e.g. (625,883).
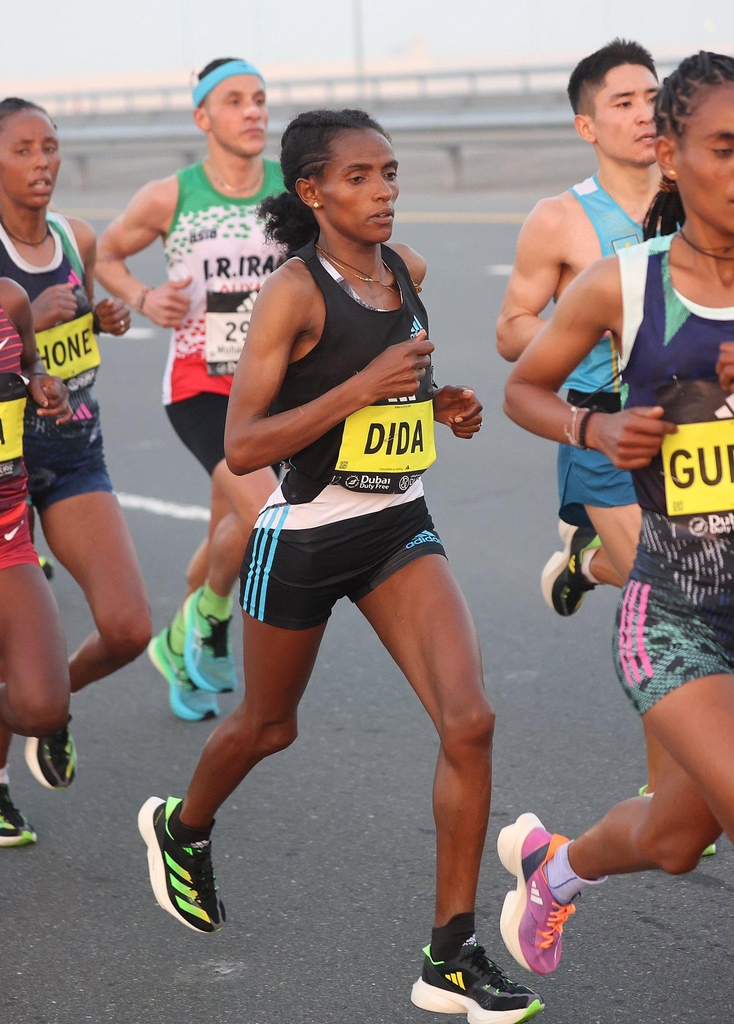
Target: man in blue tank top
(612,94)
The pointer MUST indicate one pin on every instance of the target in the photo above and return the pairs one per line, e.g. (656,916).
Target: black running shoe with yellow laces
(52,758)
(15,830)
(562,581)
(473,984)
(182,877)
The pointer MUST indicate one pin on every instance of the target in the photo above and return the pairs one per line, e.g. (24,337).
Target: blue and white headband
(233,67)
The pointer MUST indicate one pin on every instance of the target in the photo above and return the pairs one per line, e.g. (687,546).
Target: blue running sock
(563,882)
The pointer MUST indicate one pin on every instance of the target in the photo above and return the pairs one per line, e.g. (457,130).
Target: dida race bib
(698,462)
(227,322)
(12,407)
(70,350)
(385,448)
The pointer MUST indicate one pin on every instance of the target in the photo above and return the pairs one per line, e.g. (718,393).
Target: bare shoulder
(552,215)
(13,299)
(290,292)
(154,204)
(413,260)
(292,280)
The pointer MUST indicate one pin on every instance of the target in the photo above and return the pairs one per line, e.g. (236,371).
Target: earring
(316,206)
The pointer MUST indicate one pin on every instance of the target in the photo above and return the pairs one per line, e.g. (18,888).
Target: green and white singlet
(219,242)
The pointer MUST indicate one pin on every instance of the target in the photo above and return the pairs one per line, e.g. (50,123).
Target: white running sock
(4,777)
(563,882)
(586,565)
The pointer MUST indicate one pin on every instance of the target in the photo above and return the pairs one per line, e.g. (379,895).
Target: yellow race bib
(698,464)
(70,349)
(11,429)
(386,447)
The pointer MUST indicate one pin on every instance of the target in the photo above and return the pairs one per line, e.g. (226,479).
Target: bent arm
(147,217)
(534,280)
(590,305)
(282,316)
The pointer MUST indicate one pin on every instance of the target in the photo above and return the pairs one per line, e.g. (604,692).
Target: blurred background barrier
(476,129)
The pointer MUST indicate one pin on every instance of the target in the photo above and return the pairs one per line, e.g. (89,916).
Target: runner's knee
(127,634)
(39,712)
(272,737)
(472,730)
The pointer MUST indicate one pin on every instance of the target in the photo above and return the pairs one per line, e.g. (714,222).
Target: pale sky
(52,39)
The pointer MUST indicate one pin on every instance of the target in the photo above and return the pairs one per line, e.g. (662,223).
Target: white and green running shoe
(182,877)
(15,830)
(562,581)
(186,699)
(207,650)
(708,852)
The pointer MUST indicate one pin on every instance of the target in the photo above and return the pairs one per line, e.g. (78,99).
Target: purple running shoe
(532,922)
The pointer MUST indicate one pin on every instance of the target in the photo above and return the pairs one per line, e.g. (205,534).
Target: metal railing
(471,83)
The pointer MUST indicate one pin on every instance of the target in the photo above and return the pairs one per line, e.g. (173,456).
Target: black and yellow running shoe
(562,581)
(182,877)
(52,759)
(473,984)
(48,565)
(15,829)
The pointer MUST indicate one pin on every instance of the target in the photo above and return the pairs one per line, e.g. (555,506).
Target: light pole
(358,45)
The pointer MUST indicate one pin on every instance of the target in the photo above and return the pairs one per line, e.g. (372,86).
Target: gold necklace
(233,188)
(340,264)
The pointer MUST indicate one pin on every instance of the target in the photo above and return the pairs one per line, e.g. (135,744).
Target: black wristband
(583,429)
(96,325)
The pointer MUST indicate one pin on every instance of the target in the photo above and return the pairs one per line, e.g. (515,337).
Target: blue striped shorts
(293,578)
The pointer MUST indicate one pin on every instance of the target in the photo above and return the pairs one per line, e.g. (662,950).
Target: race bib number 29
(227,322)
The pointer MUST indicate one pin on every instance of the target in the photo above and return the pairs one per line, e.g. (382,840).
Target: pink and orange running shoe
(532,922)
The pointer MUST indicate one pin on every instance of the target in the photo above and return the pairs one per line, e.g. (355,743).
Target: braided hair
(306,148)
(14,105)
(675,104)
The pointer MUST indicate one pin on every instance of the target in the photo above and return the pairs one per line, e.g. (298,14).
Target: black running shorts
(293,578)
(199,422)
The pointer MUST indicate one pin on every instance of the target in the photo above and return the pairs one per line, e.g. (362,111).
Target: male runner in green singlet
(217,259)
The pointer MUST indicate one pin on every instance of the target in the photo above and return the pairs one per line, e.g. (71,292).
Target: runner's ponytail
(305,152)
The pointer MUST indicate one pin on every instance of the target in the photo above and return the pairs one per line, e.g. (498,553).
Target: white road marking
(171,509)
(498,269)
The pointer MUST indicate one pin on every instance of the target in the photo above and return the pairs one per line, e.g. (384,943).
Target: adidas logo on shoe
(535,894)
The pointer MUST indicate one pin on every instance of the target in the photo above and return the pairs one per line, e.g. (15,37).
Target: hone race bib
(227,322)
(70,349)
(385,448)
(698,460)
(13,396)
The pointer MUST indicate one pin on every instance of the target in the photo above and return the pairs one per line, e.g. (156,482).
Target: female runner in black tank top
(68,482)
(358,529)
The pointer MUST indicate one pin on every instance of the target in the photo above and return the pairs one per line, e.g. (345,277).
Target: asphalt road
(325,855)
